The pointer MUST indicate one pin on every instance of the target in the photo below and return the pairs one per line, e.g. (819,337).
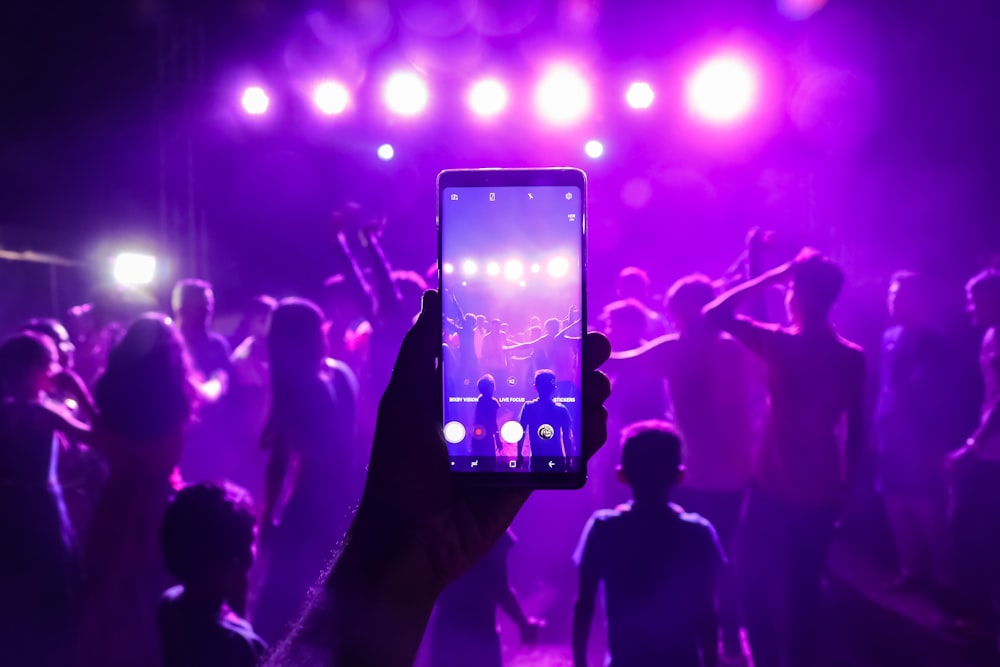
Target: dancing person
(146,398)
(207,536)
(193,304)
(975,469)
(415,530)
(556,350)
(633,284)
(310,435)
(547,426)
(464,626)
(914,431)
(716,393)
(486,434)
(39,563)
(803,468)
(249,397)
(493,360)
(659,565)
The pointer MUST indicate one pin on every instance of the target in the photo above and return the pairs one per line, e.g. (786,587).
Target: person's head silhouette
(545,384)
(687,297)
(552,326)
(815,289)
(487,385)
(651,459)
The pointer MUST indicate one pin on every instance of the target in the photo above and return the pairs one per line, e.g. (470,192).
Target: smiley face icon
(546,432)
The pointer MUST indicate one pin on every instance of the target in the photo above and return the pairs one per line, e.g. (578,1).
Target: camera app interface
(512,289)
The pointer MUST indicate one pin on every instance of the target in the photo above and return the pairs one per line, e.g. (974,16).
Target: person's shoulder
(245,645)
(852,352)
(611,515)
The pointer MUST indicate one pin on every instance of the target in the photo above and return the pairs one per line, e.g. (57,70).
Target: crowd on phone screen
(162,486)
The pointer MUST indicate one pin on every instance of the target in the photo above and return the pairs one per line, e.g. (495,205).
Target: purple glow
(798,10)
(493,268)
(640,95)
(562,96)
(487,97)
(331,97)
(723,90)
(406,94)
(513,269)
(558,267)
(594,149)
(386,152)
(449,268)
(255,100)
(469,267)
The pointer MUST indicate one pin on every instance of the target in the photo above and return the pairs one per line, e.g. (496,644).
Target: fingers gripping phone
(512,267)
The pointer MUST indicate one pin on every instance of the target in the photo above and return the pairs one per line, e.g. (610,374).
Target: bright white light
(449,268)
(562,96)
(131,268)
(406,94)
(722,90)
(513,269)
(493,269)
(594,149)
(469,267)
(331,97)
(640,95)
(512,432)
(558,267)
(255,100)
(386,152)
(487,97)
(536,267)
(454,432)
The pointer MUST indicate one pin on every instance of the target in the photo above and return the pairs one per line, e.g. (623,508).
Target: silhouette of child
(486,436)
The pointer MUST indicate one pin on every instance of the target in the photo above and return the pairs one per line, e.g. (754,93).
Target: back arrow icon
(552,464)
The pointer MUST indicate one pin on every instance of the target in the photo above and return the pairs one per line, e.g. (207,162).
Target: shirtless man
(803,468)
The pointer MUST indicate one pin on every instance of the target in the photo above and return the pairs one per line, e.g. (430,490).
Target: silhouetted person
(464,629)
(310,435)
(486,442)
(659,565)
(194,306)
(493,359)
(146,399)
(547,426)
(976,476)
(208,535)
(249,398)
(39,561)
(914,431)
(716,393)
(803,468)
(633,283)
(555,350)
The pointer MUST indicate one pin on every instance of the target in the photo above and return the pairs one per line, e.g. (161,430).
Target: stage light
(594,149)
(558,267)
(493,269)
(406,94)
(469,267)
(449,268)
(513,269)
(536,267)
(132,268)
(639,95)
(331,97)
(386,152)
(487,97)
(255,100)
(562,96)
(723,90)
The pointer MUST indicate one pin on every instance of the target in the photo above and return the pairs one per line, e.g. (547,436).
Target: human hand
(411,497)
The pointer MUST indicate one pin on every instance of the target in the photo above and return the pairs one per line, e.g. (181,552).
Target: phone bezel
(543,177)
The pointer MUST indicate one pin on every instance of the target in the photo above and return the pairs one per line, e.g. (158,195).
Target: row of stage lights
(722,90)
(513,270)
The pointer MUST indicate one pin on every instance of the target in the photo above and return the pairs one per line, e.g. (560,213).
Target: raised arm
(386,291)
(721,312)
(355,278)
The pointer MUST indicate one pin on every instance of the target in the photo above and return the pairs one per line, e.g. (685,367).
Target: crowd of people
(171,497)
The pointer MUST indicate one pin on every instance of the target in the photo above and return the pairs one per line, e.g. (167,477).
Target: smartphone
(512,270)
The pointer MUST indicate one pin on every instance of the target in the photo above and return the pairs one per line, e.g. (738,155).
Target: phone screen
(512,278)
